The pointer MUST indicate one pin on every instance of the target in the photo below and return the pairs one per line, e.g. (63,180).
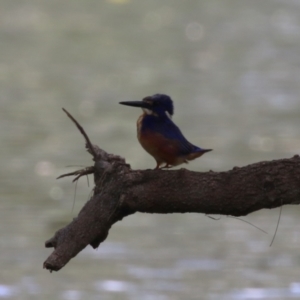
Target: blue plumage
(165,126)
(159,136)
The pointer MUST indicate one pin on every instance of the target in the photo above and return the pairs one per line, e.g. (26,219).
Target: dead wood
(120,191)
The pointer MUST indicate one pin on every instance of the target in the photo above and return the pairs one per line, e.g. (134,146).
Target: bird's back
(161,138)
(165,128)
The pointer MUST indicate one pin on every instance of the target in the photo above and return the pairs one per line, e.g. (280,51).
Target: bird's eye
(150,102)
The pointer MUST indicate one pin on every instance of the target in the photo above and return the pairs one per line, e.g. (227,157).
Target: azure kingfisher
(159,136)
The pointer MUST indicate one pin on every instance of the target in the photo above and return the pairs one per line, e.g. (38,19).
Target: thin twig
(74,197)
(276,225)
(217,219)
(245,221)
(80,128)
(79,173)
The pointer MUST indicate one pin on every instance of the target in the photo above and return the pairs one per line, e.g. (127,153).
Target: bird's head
(157,105)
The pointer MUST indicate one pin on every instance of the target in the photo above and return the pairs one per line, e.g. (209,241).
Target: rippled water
(233,70)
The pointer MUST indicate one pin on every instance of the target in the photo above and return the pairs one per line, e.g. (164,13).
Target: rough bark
(120,191)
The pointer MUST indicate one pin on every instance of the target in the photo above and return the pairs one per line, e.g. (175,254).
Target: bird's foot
(166,166)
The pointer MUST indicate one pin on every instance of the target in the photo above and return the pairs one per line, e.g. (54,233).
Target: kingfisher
(159,136)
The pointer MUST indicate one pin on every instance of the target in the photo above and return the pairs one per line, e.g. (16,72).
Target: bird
(158,134)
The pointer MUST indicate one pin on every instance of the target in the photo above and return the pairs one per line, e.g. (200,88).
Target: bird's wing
(171,132)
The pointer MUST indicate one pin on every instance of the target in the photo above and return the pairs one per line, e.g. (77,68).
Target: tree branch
(120,191)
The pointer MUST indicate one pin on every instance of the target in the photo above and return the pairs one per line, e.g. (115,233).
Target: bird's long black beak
(141,104)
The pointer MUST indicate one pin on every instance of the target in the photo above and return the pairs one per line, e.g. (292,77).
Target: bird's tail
(204,150)
(199,152)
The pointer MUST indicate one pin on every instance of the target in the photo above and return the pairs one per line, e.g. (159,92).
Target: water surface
(233,70)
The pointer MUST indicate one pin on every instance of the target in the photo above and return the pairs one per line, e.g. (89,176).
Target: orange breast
(160,148)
